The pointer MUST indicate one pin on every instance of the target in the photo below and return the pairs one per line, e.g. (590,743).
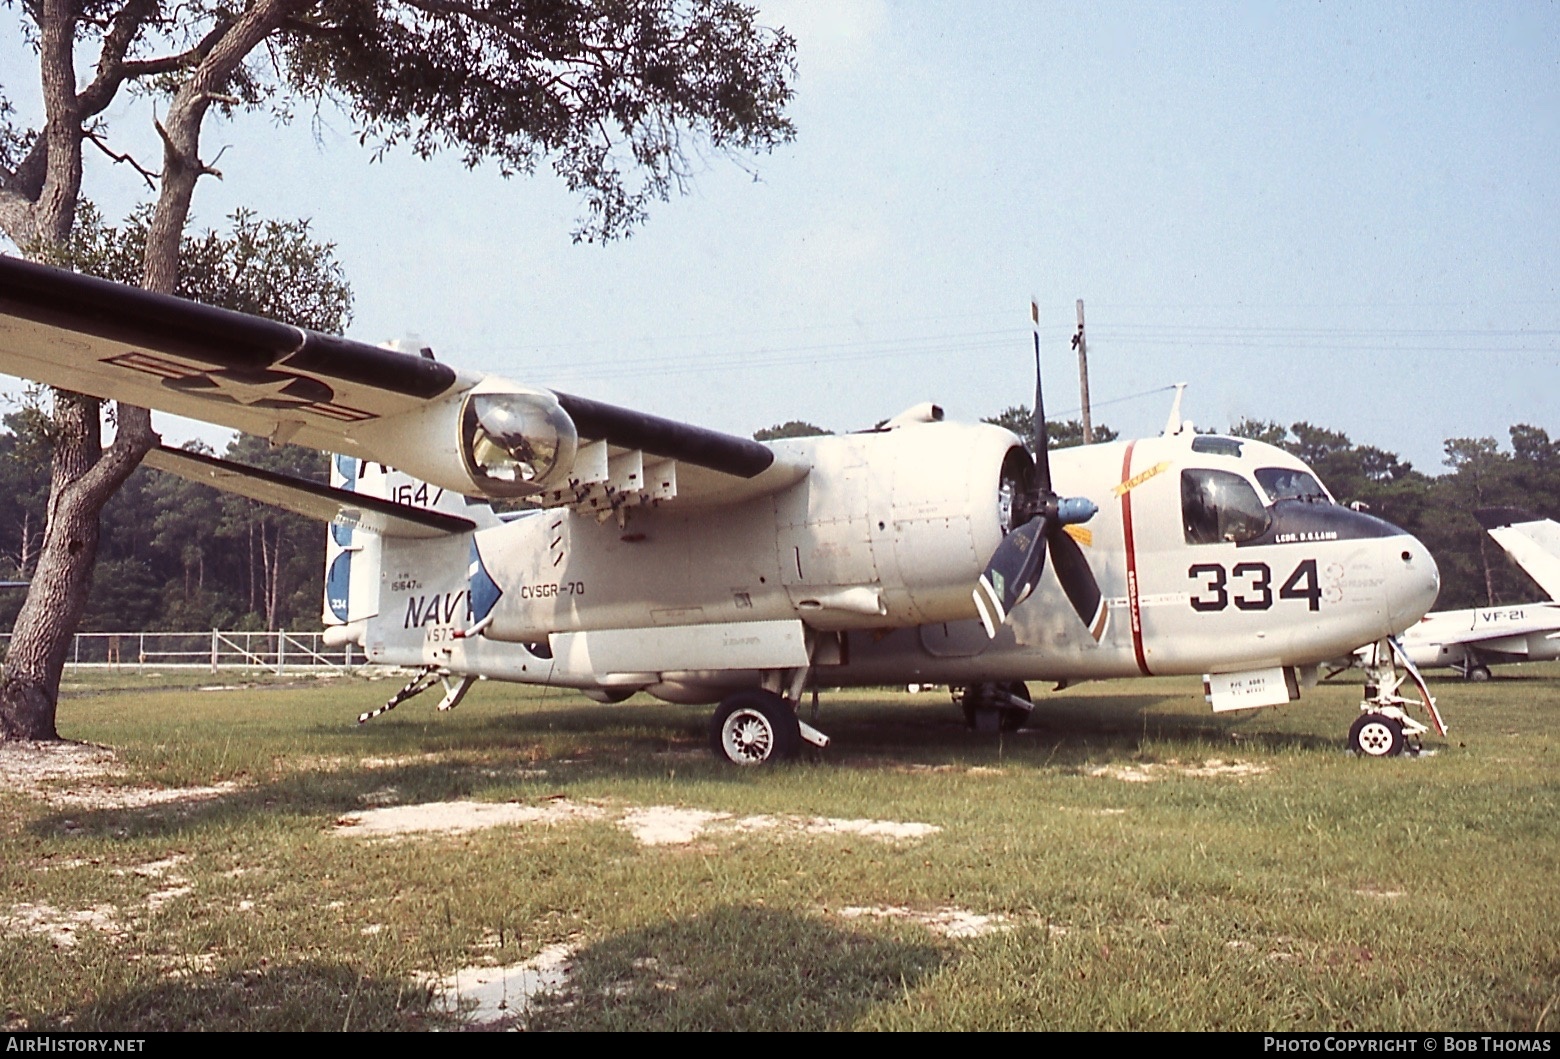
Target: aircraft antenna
(1173,423)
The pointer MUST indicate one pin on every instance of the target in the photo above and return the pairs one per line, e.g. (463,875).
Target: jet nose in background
(1413,581)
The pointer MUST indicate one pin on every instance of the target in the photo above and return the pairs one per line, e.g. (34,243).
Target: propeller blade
(1012,573)
(1083,591)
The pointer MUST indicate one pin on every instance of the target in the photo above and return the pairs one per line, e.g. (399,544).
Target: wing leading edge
(290,384)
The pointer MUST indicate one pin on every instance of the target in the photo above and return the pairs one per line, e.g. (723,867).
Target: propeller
(1015,567)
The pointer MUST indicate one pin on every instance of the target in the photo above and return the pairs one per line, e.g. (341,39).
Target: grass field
(1134,863)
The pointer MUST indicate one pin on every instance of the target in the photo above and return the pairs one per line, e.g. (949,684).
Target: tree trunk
(83,478)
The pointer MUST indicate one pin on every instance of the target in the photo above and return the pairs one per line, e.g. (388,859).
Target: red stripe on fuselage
(1133,608)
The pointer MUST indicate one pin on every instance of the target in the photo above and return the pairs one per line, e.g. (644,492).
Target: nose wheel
(1376,735)
(1384,728)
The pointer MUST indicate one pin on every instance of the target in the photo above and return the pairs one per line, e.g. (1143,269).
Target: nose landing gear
(1384,728)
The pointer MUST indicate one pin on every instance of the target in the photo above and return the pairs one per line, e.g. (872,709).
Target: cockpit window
(1215,445)
(1218,506)
(1287,483)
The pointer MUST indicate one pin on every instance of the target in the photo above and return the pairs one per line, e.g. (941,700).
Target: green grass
(1325,892)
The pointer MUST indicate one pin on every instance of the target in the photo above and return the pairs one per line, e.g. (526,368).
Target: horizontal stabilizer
(312,499)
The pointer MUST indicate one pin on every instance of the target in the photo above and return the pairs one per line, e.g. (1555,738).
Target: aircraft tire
(981,716)
(1376,735)
(754,728)
(1478,674)
(1014,718)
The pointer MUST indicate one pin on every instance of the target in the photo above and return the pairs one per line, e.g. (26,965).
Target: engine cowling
(887,529)
(894,528)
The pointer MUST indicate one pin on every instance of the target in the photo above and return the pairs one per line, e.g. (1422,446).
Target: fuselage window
(1218,507)
(1287,483)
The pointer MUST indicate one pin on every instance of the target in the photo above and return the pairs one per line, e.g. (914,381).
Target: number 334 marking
(1250,586)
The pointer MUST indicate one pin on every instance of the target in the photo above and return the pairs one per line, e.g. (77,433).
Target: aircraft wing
(312,499)
(1504,629)
(293,385)
(1532,541)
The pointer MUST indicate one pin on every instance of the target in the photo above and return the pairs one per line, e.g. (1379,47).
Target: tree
(1059,435)
(791,428)
(611,92)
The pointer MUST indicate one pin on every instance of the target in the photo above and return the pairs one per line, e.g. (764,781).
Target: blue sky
(1339,213)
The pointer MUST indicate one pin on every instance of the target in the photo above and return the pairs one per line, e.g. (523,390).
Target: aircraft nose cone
(1413,581)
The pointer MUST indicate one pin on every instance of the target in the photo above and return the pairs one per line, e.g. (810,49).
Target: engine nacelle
(887,529)
(894,528)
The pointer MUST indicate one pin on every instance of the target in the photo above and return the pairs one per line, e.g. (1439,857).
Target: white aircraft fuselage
(1204,568)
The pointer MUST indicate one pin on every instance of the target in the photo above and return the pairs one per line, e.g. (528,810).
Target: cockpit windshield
(1288,483)
(1220,506)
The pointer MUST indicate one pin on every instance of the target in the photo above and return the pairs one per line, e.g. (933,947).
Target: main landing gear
(1384,728)
(995,707)
(758,726)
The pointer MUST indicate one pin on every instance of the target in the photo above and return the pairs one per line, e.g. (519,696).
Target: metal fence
(276,652)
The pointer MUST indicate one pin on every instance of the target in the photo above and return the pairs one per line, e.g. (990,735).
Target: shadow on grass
(312,995)
(555,748)
(736,968)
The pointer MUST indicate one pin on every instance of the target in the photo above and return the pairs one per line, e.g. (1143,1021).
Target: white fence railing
(277,652)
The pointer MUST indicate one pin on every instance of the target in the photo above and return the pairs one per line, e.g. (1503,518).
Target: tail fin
(1533,542)
(351,558)
(354,550)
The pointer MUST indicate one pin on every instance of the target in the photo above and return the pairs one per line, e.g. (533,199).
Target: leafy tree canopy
(793,428)
(1020,419)
(618,96)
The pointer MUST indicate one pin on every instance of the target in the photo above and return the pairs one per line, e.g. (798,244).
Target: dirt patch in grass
(495,998)
(454,818)
(71,775)
(947,921)
(1149,772)
(62,926)
(654,825)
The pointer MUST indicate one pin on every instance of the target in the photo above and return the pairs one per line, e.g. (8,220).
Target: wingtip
(1496,517)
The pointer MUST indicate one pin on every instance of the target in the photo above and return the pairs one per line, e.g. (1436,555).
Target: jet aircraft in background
(1470,641)
(706,568)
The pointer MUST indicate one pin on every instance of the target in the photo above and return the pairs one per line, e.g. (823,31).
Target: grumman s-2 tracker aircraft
(706,568)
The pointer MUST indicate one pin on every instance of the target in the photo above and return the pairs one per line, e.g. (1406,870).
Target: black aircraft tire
(1013,717)
(1479,674)
(1376,735)
(754,728)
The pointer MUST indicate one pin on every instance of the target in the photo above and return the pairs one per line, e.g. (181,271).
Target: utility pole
(1082,346)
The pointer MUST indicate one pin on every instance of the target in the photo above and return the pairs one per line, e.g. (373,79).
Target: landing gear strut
(995,707)
(1384,728)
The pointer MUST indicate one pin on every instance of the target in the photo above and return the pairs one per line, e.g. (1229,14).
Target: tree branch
(146,174)
(110,66)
